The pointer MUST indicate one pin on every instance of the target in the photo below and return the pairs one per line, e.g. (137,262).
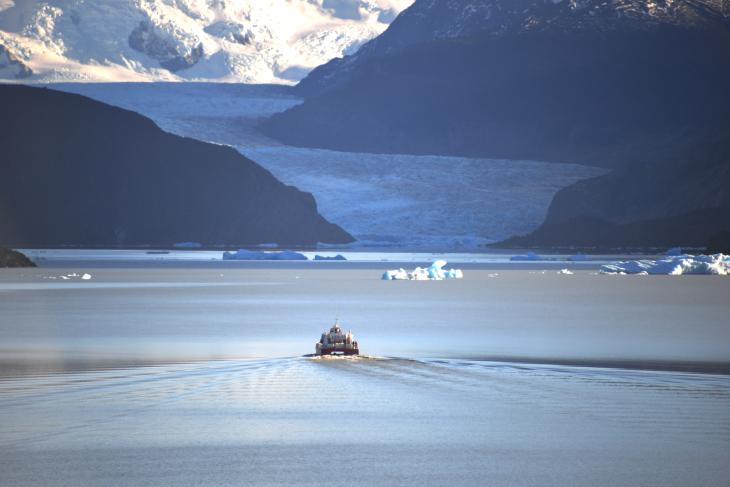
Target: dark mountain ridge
(588,98)
(81,173)
(637,86)
(429,20)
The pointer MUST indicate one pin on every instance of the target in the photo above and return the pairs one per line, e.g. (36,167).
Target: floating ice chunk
(454,274)
(674,251)
(565,271)
(243,254)
(396,275)
(717,264)
(435,272)
(86,277)
(528,256)
(335,257)
(420,274)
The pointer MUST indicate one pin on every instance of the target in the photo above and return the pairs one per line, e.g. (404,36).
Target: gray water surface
(150,375)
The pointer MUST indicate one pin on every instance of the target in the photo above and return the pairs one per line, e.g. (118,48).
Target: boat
(335,342)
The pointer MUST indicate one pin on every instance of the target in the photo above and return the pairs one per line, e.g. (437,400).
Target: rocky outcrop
(681,196)
(172,57)
(11,67)
(696,229)
(80,173)
(231,32)
(13,258)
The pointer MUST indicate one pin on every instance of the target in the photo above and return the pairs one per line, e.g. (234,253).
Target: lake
(152,373)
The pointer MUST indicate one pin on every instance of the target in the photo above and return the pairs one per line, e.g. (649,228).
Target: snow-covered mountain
(251,41)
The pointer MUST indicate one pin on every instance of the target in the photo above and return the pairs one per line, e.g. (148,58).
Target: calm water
(153,375)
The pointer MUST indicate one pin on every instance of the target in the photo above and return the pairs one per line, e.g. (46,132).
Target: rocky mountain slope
(586,82)
(432,20)
(13,258)
(80,173)
(634,85)
(681,199)
(251,41)
(638,86)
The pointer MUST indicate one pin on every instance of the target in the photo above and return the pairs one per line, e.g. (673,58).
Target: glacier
(383,200)
(673,265)
(250,41)
(530,256)
(243,254)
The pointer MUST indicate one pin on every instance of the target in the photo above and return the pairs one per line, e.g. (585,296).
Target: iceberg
(243,254)
(565,271)
(335,257)
(528,256)
(674,251)
(717,264)
(397,275)
(435,272)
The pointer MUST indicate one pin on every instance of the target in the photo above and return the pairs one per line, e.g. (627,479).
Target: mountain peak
(252,41)
(431,20)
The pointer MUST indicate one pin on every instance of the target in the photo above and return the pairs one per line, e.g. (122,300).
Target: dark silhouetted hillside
(80,173)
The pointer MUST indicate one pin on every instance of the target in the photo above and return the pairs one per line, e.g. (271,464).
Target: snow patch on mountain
(251,41)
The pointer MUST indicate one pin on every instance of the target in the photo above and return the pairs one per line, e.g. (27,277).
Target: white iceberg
(717,264)
(435,272)
(243,254)
(528,256)
(565,271)
(396,275)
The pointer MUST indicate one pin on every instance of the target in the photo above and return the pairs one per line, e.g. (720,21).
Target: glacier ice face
(387,200)
(530,256)
(435,272)
(717,264)
(383,200)
(251,41)
(243,254)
